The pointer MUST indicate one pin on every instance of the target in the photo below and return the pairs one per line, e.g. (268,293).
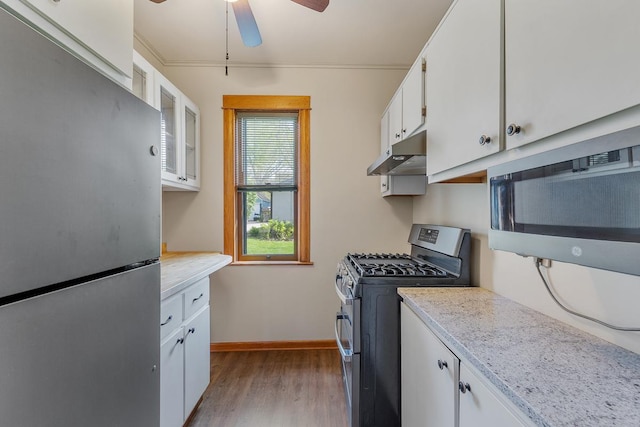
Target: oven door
(350,361)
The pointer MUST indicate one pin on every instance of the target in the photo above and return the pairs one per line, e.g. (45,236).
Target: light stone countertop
(556,374)
(182,269)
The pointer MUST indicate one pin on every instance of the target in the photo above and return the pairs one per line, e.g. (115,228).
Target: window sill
(271,263)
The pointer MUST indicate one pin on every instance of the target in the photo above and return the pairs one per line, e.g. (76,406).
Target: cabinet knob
(180,341)
(513,129)
(484,139)
(442,364)
(404,131)
(153,150)
(191,331)
(397,135)
(463,387)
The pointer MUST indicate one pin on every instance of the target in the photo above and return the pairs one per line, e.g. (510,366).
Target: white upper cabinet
(179,136)
(397,185)
(191,147)
(413,108)
(406,110)
(395,118)
(100,32)
(142,80)
(568,62)
(463,85)
(179,126)
(403,116)
(167,99)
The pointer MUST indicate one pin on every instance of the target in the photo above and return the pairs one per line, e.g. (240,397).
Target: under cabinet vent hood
(407,157)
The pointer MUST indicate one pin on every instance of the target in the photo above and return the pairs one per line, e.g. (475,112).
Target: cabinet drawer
(196,297)
(170,315)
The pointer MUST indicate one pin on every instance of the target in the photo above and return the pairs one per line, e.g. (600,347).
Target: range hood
(407,157)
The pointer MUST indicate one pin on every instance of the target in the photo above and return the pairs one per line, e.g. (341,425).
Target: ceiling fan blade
(317,5)
(246,23)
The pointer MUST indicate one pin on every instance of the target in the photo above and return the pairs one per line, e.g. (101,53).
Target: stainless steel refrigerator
(79,242)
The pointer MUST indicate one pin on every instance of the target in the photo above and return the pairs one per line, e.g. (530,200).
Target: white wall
(279,303)
(611,297)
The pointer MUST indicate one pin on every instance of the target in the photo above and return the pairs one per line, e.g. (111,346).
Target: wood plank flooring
(274,389)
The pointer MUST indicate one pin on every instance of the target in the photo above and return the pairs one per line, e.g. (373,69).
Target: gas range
(368,323)
(395,265)
(439,257)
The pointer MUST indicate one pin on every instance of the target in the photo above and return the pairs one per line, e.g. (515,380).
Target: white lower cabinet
(479,406)
(196,359)
(429,375)
(184,352)
(171,380)
(439,389)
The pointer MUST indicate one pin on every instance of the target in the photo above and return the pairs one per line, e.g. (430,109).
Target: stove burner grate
(394,265)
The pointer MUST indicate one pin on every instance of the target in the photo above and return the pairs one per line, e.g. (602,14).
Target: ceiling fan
(247,23)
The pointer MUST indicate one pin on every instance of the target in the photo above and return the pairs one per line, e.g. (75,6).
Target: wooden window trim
(230,105)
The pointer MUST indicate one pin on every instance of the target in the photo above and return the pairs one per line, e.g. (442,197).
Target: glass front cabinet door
(142,79)
(179,137)
(191,148)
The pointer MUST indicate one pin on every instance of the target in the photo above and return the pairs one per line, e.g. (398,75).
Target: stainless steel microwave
(578,204)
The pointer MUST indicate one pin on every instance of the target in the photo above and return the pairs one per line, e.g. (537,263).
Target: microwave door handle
(344,353)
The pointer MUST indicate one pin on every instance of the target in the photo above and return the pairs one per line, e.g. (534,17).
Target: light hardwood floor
(292,388)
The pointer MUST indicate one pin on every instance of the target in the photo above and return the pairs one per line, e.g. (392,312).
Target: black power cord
(575,313)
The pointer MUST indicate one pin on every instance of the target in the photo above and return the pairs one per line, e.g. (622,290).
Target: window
(266,178)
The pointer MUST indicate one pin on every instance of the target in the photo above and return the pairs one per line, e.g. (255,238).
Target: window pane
(266,149)
(269,222)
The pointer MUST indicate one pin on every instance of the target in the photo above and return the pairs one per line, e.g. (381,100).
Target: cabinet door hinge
(424,111)
(424,65)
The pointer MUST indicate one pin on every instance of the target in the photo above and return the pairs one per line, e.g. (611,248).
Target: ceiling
(349,33)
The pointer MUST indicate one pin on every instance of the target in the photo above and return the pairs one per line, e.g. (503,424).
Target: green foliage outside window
(273,230)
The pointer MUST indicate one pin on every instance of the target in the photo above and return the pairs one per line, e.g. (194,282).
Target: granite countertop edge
(494,335)
(181,270)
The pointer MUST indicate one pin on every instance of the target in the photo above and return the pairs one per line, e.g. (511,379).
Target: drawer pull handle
(167,321)
(196,299)
(442,364)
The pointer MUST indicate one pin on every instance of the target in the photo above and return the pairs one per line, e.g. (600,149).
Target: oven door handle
(344,353)
(346,300)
